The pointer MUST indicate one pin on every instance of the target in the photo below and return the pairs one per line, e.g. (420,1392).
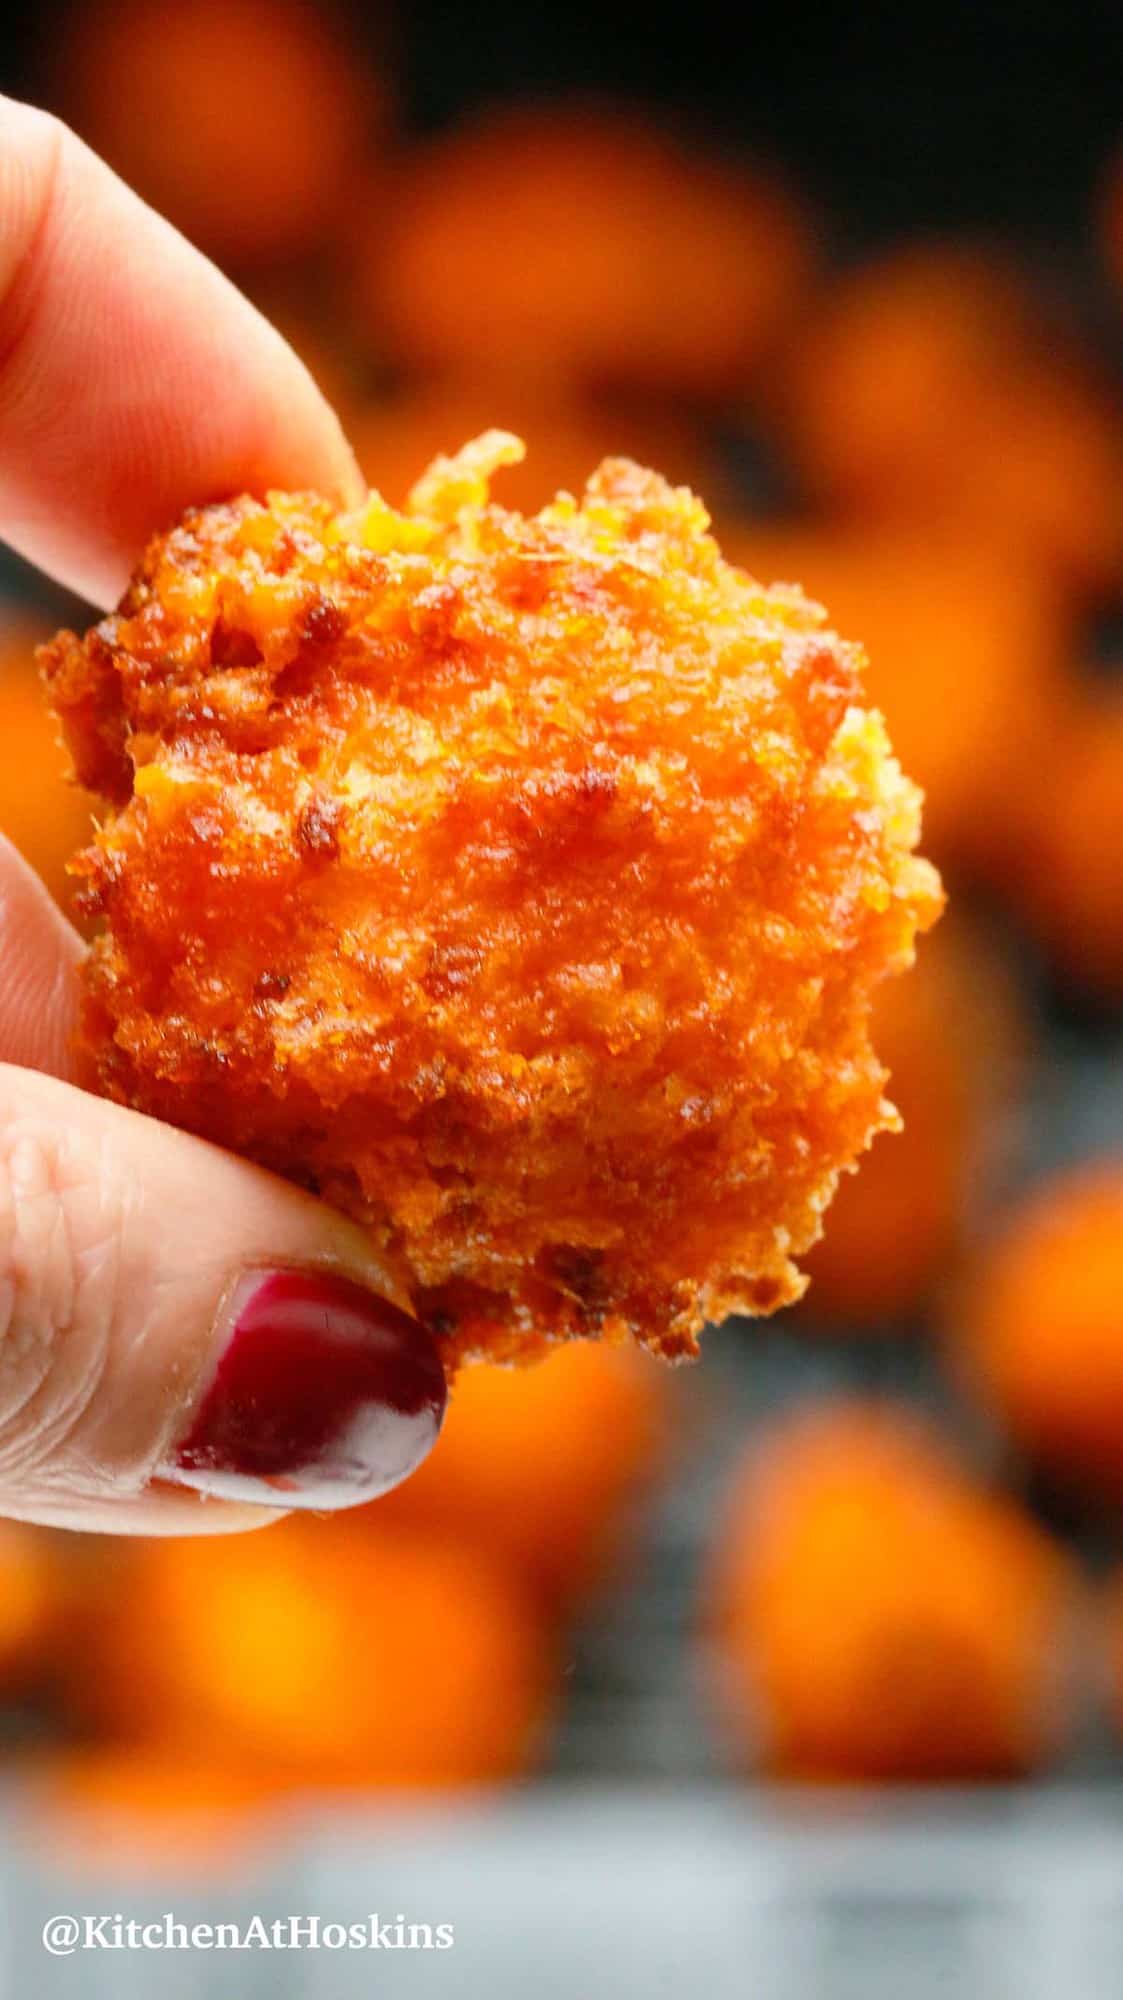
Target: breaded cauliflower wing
(517,884)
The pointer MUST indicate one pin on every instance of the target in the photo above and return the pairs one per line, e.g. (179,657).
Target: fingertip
(325,1395)
(135,381)
(177,1318)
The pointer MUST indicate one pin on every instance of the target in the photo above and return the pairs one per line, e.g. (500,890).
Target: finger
(174,1323)
(134,380)
(39,959)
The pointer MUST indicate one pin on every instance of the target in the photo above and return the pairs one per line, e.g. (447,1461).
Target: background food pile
(877,1540)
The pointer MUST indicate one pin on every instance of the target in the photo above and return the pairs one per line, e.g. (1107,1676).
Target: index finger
(135,381)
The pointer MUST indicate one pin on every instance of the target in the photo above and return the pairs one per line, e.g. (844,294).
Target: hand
(184,1341)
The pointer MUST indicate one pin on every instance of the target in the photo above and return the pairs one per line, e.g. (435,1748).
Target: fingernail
(325,1395)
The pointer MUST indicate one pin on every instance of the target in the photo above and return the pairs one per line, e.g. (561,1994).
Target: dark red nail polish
(324,1396)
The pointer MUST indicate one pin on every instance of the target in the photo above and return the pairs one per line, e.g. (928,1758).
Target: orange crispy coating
(517,884)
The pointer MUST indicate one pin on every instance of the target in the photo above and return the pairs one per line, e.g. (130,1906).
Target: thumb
(175,1323)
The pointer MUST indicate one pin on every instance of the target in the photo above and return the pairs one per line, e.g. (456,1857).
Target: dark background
(921,115)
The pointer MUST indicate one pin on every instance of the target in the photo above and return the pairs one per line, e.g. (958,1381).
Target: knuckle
(60,1267)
